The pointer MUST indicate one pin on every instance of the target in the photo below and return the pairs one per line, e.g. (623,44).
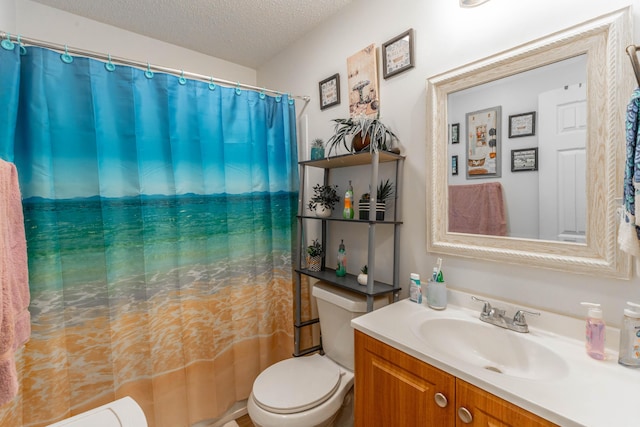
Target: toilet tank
(336,308)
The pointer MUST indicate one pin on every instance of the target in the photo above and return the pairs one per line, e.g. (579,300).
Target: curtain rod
(144,65)
(632,52)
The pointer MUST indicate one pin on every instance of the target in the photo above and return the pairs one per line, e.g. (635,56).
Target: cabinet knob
(441,400)
(464,415)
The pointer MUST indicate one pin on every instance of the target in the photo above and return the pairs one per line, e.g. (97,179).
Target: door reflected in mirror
(544,197)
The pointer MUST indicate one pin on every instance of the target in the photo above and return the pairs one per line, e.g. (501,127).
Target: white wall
(7,15)
(53,25)
(446,36)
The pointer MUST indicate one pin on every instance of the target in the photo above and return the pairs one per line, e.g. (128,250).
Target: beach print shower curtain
(158,214)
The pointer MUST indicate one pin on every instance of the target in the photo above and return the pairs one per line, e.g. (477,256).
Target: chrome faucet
(496,316)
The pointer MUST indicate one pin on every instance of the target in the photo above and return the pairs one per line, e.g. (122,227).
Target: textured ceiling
(245,32)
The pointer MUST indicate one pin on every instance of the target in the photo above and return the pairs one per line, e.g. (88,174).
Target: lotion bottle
(629,354)
(595,331)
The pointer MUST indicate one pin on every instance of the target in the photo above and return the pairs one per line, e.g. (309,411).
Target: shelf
(349,282)
(356,159)
(363,221)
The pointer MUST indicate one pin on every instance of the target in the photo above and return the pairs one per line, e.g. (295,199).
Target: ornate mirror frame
(609,85)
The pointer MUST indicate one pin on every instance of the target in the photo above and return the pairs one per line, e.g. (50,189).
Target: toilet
(310,391)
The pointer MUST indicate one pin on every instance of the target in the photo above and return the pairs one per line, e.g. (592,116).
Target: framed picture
(329,91)
(483,143)
(524,160)
(362,79)
(522,125)
(397,54)
(454,165)
(455,133)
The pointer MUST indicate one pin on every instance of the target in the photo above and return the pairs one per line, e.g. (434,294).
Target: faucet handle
(518,318)
(486,308)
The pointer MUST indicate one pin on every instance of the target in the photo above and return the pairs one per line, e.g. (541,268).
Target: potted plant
(363,277)
(383,193)
(317,149)
(367,133)
(314,255)
(323,200)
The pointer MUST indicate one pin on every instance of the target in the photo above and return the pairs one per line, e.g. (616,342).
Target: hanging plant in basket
(367,133)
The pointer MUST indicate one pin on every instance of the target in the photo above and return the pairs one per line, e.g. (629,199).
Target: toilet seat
(296,385)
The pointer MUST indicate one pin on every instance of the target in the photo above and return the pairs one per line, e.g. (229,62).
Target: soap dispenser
(595,331)
(341,270)
(629,354)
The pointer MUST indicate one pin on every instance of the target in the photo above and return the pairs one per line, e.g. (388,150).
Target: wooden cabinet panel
(488,410)
(395,389)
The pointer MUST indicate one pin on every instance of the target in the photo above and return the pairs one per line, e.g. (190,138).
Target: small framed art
(330,91)
(524,160)
(397,54)
(522,125)
(454,165)
(455,133)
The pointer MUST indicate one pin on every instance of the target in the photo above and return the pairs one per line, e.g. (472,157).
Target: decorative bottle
(342,260)
(629,354)
(595,331)
(348,212)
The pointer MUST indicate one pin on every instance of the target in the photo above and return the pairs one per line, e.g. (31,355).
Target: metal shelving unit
(374,288)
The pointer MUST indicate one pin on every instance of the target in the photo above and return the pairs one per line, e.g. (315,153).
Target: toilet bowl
(310,391)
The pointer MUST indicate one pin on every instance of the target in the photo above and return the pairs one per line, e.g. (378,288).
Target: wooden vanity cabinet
(394,389)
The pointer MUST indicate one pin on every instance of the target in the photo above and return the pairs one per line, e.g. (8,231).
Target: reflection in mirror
(489,128)
(542,109)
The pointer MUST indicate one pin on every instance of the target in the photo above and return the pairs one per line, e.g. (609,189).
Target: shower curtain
(159,216)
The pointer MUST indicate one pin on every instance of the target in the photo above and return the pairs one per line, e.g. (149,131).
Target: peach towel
(477,209)
(15,320)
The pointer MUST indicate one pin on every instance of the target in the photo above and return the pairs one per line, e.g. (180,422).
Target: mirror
(492,157)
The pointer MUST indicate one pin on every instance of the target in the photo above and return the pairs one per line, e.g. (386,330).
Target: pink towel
(477,209)
(15,321)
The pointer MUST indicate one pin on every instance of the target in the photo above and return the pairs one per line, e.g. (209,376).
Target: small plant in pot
(323,200)
(363,277)
(367,133)
(383,193)
(317,149)
(314,255)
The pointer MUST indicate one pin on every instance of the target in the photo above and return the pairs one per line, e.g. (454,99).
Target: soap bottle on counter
(629,354)
(595,331)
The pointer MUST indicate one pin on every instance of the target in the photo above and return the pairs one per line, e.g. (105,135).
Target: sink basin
(490,347)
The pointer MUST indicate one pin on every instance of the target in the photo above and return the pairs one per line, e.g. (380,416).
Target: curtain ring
(278,98)
(182,80)
(212,85)
(148,74)
(262,95)
(291,101)
(7,44)
(65,57)
(109,66)
(23,50)
(238,91)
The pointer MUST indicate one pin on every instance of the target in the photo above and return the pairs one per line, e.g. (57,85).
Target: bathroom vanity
(418,366)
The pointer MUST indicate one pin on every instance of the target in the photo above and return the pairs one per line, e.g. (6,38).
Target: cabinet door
(487,410)
(395,389)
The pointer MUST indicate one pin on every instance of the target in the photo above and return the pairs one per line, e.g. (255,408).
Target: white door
(562,163)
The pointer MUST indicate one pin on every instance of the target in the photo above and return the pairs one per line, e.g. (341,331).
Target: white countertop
(592,393)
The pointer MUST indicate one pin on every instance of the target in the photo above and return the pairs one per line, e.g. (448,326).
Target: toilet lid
(295,385)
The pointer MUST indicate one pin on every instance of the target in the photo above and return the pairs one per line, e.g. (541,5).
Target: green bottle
(341,271)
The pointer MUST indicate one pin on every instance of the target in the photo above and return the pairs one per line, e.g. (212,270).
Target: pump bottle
(629,354)
(595,331)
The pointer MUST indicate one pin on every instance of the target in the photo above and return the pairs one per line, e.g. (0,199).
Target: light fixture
(471,3)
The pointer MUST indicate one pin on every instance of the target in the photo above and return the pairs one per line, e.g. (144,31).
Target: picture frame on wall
(522,125)
(329,91)
(483,143)
(454,165)
(397,54)
(362,80)
(455,133)
(525,159)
